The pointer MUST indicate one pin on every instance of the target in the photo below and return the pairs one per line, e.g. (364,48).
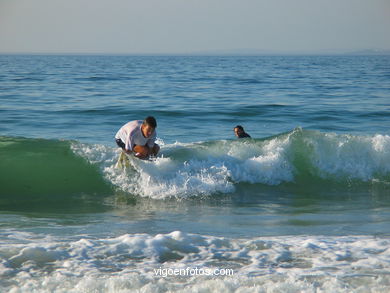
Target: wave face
(34,168)
(300,157)
(40,170)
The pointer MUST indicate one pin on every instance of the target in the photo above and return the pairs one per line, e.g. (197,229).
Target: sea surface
(303,206)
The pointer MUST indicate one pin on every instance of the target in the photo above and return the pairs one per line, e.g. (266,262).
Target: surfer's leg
(120,144)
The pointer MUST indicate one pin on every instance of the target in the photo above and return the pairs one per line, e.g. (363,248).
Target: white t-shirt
(131,135)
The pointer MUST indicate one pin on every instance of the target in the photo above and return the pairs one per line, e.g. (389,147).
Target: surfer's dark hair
(151,121)
(239,127)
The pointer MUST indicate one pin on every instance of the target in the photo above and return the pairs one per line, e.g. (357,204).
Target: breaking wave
(39,167)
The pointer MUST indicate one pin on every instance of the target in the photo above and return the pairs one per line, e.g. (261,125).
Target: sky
(193,26)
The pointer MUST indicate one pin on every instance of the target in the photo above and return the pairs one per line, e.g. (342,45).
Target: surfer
(138,137)
(240,132)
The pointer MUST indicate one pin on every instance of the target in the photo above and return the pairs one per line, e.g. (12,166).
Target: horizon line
(223,52)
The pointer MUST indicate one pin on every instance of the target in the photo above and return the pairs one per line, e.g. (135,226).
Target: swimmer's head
(148,126)
(238,130)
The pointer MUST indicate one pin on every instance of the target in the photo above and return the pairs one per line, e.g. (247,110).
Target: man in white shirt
(138,137)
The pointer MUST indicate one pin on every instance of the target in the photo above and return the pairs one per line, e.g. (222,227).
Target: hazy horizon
(169,27)
(243,52)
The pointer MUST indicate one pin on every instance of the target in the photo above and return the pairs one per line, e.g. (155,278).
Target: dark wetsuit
(244,135)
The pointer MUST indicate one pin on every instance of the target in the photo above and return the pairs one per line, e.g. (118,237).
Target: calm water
(303,206)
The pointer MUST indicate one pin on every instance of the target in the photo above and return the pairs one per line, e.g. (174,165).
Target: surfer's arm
(152,140)
(129,145)
(153,148)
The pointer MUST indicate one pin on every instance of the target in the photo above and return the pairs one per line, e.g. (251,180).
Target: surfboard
(123,161)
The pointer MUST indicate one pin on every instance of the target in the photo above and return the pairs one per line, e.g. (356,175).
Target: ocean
(303,206)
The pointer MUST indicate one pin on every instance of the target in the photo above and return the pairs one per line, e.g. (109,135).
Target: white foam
(264,264)
(195,169)
(267,164)
(347,156)
(203,170)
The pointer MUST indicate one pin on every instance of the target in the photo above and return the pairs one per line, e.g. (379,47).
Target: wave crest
(300,157)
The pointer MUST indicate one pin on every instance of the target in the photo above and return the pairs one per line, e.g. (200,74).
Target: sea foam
(129,262)
(206,168)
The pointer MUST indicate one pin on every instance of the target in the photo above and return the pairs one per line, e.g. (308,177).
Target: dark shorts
(120,143)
